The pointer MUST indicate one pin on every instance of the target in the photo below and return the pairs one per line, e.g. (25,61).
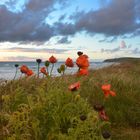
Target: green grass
(52,109)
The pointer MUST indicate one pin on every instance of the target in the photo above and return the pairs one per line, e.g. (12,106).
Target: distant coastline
(122,59)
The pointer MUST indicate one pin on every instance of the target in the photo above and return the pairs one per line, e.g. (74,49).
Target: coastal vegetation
(72,107)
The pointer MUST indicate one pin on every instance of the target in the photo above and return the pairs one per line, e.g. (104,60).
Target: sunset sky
(102,29)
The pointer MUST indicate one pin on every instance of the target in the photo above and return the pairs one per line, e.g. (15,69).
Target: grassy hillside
(46,109)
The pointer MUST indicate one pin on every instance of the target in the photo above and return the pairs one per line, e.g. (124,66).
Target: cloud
(64,40)
(110,50)
(19,58)
(136,51)
(123,44)
(29,24)
(108,40)
(116,18)
(34,50)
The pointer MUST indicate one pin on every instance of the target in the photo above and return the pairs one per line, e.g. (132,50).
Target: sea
(7,69)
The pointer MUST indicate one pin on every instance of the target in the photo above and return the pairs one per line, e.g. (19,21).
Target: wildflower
(75,86)
(103,115)
(52,59)
(43,70)
(107,90)
(69,62)
(29,73)
(24,69)
(83,72)
(112,93)
(82,61)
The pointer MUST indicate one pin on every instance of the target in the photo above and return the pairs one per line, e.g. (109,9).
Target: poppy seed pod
(79,53)
(83,117)
(106,134)
(16,65)
(38,61)
(98,107)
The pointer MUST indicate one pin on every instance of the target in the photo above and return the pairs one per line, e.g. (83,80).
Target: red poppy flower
(83,72)
(112,93)
(43,70)
(29,72)
(52,59)
(103,115)
(75,86)
(107,90)
(69,62)
(24,69)
(82,61)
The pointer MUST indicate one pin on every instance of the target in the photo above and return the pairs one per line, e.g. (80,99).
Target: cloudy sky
(31,29)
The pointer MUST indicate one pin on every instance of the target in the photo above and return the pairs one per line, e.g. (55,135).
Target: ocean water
(7,69)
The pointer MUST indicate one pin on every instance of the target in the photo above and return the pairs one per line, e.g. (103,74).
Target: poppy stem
(38,70)
(78,69)
(47,70)
(15,73)
(51,69)
(63,73)
(1,102)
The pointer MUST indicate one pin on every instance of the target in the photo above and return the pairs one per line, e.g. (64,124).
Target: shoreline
(9,74)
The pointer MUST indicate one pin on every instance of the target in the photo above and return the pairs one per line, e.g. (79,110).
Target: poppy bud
(79,53)
(16,65)
(38,61)
(106,134)
(59,70)
(62,68)
(98,107)
(83,117)
(47,63)
(77,97)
